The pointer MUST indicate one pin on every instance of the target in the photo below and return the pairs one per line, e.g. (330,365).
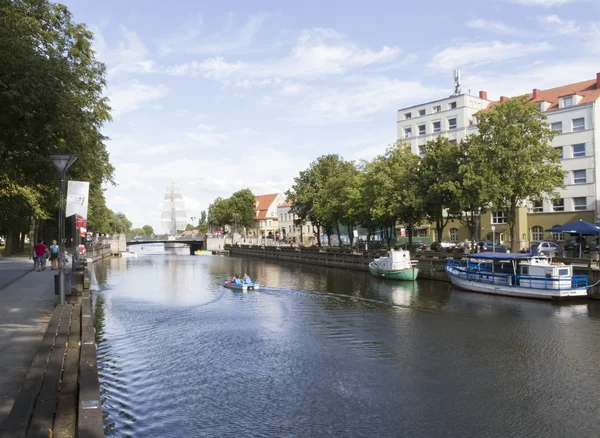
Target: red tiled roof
(286,204)
(263,204)
(588,90)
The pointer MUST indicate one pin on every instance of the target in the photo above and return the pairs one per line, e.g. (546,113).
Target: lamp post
(62,162)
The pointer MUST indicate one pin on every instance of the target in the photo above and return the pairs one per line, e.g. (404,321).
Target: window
(407,116)
(538,206)
(437,109)
(557,126)
(559,237)
(452,141)
(579,150)
(579,176)
(558,205)
(580,203)
(578,124)
(453,235)
(560,151)
(437,126)
(537,233)
(541,106)
(421,129)
(499,217)
(421,151)
(567,101)
(407,132)
(451,123)
(422,112)
(452,105)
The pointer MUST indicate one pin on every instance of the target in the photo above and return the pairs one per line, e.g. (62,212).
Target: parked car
(460,247)
(445,246)
(2,242)
(545,247)
(487,246)
(573,245)
(416,246)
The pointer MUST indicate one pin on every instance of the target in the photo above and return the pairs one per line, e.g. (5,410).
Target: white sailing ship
(173,216)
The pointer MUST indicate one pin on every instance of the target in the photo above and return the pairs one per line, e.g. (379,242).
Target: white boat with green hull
(396,266)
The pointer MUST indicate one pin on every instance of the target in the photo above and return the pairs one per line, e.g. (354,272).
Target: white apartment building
(450,117)
(290,230)
(266,214)
(572,110)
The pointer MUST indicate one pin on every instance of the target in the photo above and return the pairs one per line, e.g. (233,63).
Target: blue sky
(220,96)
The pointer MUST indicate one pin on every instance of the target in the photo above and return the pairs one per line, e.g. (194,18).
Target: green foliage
(241,203)
(515,141)
(189,227)
(438,180)
(50,100)
(148,230)
(219,213)
(120,224)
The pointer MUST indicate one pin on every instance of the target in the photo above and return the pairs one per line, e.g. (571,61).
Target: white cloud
(475,54)
(556,24)
(129,57)
(317,53)
(359,102)
(189,40)
(543,3)
(132,95)
(494,26)
(593,38)
(206,136)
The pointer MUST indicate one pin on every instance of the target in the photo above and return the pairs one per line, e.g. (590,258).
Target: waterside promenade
(48,375)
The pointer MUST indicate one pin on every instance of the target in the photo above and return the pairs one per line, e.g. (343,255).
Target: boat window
(525,270)
(564,271)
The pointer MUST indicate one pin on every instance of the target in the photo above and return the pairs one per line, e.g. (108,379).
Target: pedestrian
(54,256)
(40,255)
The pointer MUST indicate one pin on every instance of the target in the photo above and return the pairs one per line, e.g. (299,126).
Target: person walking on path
(40,255)
(54,256)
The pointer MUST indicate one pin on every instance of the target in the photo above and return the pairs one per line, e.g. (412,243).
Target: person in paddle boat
(235,280)
(247,280)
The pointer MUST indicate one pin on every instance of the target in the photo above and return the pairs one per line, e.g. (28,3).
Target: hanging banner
(77,198)
(80,222)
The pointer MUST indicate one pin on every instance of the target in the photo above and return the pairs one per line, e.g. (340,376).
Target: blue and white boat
(518,275)
(242,287)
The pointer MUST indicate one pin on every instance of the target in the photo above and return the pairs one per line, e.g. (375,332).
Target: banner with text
(77,198)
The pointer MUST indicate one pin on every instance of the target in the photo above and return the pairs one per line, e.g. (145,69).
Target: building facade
(572,111)
(289,228)
(266,214)
(450,117)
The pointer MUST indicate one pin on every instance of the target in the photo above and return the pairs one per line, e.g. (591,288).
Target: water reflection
(336,352)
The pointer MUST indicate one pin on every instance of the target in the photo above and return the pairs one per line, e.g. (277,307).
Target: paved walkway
(26,303)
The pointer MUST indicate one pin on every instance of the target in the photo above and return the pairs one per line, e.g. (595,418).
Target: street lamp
(62,163)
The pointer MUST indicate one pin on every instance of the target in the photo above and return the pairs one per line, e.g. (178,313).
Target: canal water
(330,352)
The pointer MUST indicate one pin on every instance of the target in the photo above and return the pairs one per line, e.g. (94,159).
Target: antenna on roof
(456,82)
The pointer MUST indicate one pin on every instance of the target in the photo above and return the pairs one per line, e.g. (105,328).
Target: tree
(473,187)
(50,99)
(119,223)
(148,230)
(515,142)
(202,223)
(189,227)
(242,204)
(219,212)
(438,183)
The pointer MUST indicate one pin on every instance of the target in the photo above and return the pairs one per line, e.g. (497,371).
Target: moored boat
(396,266)
(519,275)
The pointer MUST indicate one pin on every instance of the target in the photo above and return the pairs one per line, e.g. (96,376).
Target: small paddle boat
(241,287)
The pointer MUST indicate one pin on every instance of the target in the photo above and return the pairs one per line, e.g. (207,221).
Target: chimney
(536,94)
(597,81)
(483,94)
(503,98)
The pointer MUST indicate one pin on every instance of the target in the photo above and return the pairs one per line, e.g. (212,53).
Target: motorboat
(396,266)
(128,254)
(242,287)
(519,275)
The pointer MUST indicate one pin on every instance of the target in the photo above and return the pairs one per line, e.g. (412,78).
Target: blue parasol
(579,228)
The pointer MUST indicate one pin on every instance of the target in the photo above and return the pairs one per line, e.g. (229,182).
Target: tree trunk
(514,242)
(319,236)
(409,230)
(329,238)
(337,226)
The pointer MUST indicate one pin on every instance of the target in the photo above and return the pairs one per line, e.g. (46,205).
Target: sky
(220,96)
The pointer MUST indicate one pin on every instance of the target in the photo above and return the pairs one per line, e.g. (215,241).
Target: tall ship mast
(173,216)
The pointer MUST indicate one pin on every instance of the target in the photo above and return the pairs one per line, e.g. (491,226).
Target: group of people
(245,280)
(41,253)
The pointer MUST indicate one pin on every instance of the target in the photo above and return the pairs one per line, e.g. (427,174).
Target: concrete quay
(48,376)
(431,264)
